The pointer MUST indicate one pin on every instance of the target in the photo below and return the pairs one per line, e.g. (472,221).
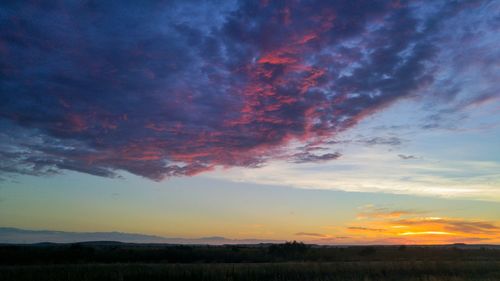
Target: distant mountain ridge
(11,235)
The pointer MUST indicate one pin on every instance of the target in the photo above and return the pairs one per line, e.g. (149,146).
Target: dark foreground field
(296,271)
(102,261)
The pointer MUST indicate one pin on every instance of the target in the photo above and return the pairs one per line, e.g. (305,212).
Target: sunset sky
(332,122)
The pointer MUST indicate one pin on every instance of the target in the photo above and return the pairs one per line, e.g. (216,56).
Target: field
(303,271)
(86,262)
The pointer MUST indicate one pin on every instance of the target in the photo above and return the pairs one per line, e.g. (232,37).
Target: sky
(331,122)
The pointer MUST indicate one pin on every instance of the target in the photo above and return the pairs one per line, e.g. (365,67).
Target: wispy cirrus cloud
(364,229)
(155,91)
(311,234)
(374,212)
(391,141)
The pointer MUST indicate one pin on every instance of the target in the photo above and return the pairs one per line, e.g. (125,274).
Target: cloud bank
(11,235)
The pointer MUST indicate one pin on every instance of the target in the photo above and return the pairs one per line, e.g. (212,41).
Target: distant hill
(10,235)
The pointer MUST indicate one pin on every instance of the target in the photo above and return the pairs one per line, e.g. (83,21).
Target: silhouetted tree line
(288,250)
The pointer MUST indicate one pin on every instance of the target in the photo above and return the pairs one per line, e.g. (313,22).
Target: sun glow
(425,233)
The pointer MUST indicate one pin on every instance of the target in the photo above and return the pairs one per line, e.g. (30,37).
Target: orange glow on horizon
(382,226)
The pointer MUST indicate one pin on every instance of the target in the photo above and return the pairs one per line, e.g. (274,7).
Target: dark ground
(291,261)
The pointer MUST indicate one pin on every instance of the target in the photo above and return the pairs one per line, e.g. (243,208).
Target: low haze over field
(330,122)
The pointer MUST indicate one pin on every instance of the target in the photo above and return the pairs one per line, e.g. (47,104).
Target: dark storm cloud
(176,88)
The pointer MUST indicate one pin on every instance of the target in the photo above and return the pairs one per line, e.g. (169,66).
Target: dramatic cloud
(174,88)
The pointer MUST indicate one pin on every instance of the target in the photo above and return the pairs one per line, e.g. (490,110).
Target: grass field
(295,271)
(278,262)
